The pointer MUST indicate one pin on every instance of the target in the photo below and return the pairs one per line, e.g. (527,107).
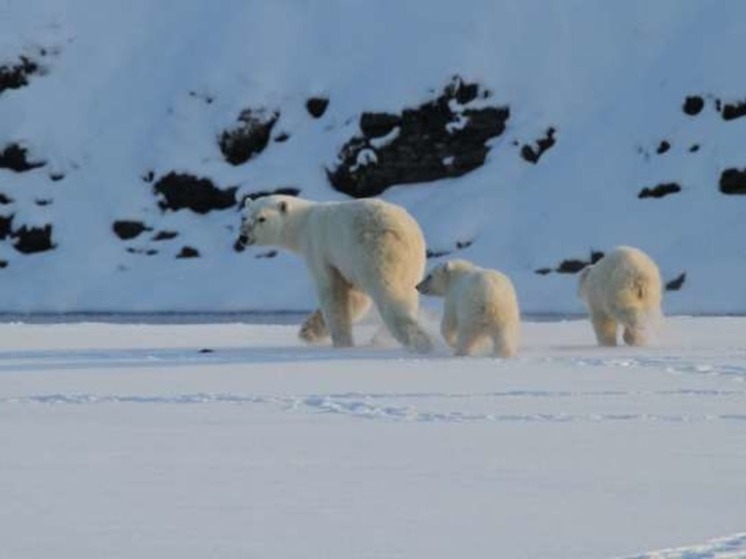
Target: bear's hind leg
(605,328)
(399,316)
(505,343)
(469,338)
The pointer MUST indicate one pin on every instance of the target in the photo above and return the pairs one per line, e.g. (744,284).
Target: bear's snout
(423,287)
(241,243)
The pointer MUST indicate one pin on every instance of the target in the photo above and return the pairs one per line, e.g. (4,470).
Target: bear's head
(439,279)
(263,221)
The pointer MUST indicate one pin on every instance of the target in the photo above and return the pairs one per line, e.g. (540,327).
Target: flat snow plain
(234,440)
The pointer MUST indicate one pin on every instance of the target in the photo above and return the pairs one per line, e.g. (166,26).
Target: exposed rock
(43,202)
(572,265)
(268,254)
(694,148)
(533,154)
(249,137)
(5,200)
(165,235)
(377,125)
(14,157)
(6,224)
(659,191)
(147,252)
(439,139)
(181,190)
(17,75)
(148,176)
(128,229)
(29,240)
(663,147)
(460,245)
(693,105)
(56,177)
(732,111)
(282,137)
(188,252)
(3,264)
(733,181)
(676,283)
(316,106)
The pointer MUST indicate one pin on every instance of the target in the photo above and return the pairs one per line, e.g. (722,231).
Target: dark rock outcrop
(6,226)
(29,240)
(532,154)
(572,265)
(732,111)
(659,191)
(188,252)
(676,283)
(439,139)
(316,106)
(693,105)
(128,229)
(184,191)
(249,137)
(460,245)
(733,181)
(663,147)
(15,76)
(15,158)
(165,235)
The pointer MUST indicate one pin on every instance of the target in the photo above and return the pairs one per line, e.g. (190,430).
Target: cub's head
(439,279)
(263,221)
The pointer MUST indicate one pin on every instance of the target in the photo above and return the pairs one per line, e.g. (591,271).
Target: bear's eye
(261,219)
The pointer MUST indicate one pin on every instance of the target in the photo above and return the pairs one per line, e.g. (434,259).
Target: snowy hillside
(128,132)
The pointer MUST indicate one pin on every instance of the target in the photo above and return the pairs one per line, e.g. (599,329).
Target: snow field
(124,440)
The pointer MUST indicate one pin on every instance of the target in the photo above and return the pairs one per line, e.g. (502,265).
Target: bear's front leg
(449,328)
(334,299)
(314,329)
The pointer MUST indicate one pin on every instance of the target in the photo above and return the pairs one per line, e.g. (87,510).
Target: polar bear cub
(479,304)
(358,252)
(622,288)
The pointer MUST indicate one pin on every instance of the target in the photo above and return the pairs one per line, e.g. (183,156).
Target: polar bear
(479,304)
(622,288)
(356,251)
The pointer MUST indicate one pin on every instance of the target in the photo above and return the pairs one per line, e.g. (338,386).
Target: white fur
(479,304)
(623,288)
(356,251)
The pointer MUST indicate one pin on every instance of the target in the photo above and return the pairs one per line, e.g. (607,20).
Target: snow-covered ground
(234,440)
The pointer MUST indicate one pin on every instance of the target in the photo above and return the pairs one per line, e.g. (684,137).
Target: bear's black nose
(240,244)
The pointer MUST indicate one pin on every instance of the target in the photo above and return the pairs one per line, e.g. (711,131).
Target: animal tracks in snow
(731,547)
(497,407)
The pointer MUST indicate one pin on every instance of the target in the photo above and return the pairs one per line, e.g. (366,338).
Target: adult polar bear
(356,251)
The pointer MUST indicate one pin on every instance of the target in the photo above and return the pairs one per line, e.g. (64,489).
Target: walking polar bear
(479,304)
(356,251)
(622,288)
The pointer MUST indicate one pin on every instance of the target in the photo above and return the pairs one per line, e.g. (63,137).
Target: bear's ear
(448,266)
(283,207)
